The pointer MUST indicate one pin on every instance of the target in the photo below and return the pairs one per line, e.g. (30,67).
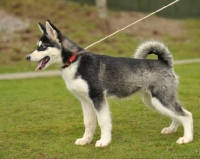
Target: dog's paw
(102,143)
(82,141)
(168,131)
(184,140)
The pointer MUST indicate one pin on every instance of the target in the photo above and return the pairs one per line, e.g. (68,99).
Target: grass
(41,119)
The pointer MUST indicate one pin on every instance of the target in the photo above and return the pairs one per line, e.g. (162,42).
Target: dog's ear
(52,31)
(42,28)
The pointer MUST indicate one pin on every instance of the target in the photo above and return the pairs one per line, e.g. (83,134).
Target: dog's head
(52,48)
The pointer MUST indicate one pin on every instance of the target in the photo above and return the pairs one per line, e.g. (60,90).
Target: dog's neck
(70,60)
(69,45)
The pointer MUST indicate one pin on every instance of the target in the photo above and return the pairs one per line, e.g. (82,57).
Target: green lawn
(41,119)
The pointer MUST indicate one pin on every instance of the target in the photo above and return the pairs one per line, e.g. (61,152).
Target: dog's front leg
(89,121)
(104,120)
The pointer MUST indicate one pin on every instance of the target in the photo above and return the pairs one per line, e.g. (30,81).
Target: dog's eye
(44,47)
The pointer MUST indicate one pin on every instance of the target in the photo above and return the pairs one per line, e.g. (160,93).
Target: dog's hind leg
(187,123)
(172,128)
(104,119)
(173,109)
(89,121)
(146,98)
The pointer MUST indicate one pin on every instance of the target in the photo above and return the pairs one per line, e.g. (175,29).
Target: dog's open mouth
(42,63)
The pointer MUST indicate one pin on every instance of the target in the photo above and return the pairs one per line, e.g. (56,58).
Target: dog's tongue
(39,66)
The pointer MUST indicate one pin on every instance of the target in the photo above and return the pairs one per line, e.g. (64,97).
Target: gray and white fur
(92,78)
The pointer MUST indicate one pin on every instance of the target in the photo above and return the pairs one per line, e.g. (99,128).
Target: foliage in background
(178,10)
(80,22)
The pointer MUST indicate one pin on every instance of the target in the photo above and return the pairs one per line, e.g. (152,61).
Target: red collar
(71,59)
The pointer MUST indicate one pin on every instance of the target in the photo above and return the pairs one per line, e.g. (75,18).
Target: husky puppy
(92,78)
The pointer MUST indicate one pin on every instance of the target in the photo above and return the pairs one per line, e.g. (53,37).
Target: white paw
(102,143)
(82,141)
(168,131)
(183,140)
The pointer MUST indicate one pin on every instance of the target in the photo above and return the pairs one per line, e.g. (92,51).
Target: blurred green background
(79,21)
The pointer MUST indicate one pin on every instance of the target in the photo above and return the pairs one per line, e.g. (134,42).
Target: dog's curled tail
(157,48)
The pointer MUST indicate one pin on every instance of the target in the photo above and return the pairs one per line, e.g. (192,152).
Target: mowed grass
(41,119)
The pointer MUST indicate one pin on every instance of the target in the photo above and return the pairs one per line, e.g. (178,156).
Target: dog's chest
(77,85)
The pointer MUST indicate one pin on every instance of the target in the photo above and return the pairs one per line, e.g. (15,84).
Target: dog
(92,78)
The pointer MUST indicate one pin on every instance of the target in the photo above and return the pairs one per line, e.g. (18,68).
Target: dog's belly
(122,92)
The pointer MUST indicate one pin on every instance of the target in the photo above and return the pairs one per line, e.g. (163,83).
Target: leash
(131,24)
(73,57)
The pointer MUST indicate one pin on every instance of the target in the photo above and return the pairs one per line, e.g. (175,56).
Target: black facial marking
(46,42)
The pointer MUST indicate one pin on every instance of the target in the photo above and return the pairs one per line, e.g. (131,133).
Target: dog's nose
(28,57)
